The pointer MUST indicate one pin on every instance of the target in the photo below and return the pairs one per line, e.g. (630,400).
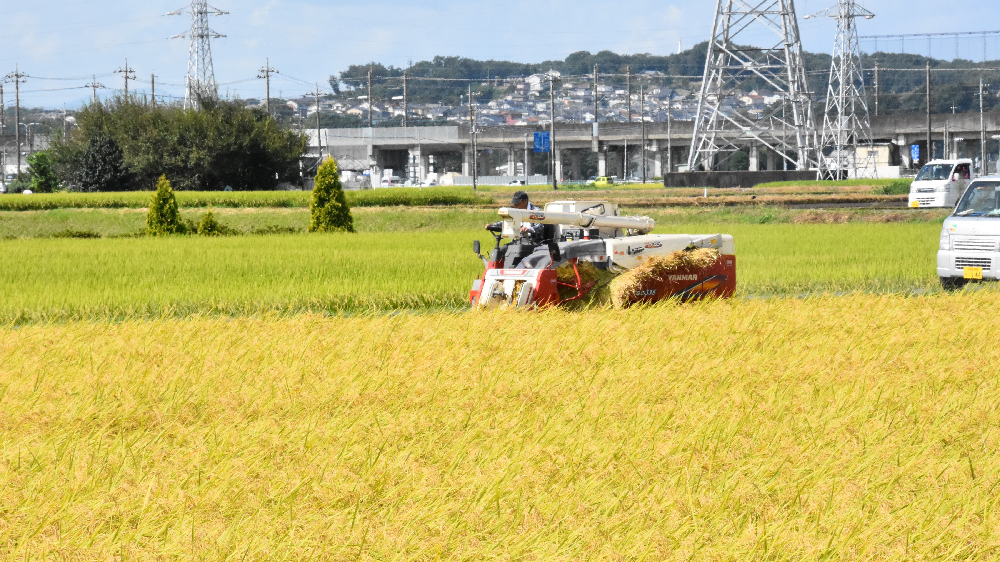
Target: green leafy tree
(102,166)
(163,217)
(329,209)
(223,144)
(43,177)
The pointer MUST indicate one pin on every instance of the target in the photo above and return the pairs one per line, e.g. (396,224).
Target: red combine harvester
(587,253)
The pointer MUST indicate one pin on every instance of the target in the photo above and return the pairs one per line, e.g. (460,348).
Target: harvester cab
(587,252)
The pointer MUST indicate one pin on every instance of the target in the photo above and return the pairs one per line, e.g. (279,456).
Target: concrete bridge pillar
(511,163)
(904,152)
(418,159)
(576,170)
(558,163)
(754,157)
(483,164)
(467,162)
(602,163)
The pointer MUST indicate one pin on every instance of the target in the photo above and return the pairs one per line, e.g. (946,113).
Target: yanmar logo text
(683,278)
(536,217)
(654,245)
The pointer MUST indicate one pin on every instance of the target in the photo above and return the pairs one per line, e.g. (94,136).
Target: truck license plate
(973,273)
(914,204)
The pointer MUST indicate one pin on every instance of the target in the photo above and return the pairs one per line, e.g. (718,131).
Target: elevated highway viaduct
(411,148)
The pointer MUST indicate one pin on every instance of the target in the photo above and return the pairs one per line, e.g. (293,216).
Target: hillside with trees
(902,88)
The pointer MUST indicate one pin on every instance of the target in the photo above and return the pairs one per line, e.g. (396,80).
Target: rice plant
(56,279)
(856,428)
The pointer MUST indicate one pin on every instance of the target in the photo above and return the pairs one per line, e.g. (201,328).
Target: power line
(57,89)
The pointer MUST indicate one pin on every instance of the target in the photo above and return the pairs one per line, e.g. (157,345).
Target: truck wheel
(953,283)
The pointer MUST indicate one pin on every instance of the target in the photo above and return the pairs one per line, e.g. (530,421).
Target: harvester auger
(587,254)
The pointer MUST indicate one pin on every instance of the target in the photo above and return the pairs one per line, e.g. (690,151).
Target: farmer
(520,201)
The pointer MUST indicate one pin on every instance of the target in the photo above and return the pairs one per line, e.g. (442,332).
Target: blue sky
(61,43)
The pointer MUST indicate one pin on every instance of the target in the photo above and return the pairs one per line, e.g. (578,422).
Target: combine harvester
(587,254)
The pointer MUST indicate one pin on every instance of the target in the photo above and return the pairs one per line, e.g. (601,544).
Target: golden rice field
(855,428)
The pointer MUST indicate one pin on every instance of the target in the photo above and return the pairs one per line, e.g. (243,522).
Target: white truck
(970,238)
(940,183)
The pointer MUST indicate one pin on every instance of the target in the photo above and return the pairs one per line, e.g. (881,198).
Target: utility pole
(628,105)
(127,74)
(405,100)
(370,97)
(628,92)
(595,93)
(94,84)
(878,88)
(982,129)
(930,141)
(475,149)
(18,78)
(670,144)
(319,142)
(552,130)
(642,121)
(152,83)
(265,74)
(3,115)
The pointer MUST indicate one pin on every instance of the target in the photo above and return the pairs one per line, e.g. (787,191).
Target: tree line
(124,144)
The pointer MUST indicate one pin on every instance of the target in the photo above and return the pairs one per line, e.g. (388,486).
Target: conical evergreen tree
(330,212)
(163,217)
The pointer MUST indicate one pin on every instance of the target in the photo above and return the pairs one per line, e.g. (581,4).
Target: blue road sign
(915,152)
(543,143)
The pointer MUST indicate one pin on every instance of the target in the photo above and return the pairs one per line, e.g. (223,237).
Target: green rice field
(51,279)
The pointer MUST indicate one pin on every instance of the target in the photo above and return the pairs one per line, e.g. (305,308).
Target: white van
(940,183)
(970,237)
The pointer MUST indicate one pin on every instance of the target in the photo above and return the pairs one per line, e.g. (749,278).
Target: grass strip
(231,199)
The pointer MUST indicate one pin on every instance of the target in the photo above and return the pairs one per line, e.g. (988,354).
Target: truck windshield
(935,172)
(982,199)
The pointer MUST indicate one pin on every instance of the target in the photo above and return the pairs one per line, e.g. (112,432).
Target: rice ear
(656,268)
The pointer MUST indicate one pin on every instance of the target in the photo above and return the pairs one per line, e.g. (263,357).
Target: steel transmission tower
(200,83)
(847,131)
(786,127)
